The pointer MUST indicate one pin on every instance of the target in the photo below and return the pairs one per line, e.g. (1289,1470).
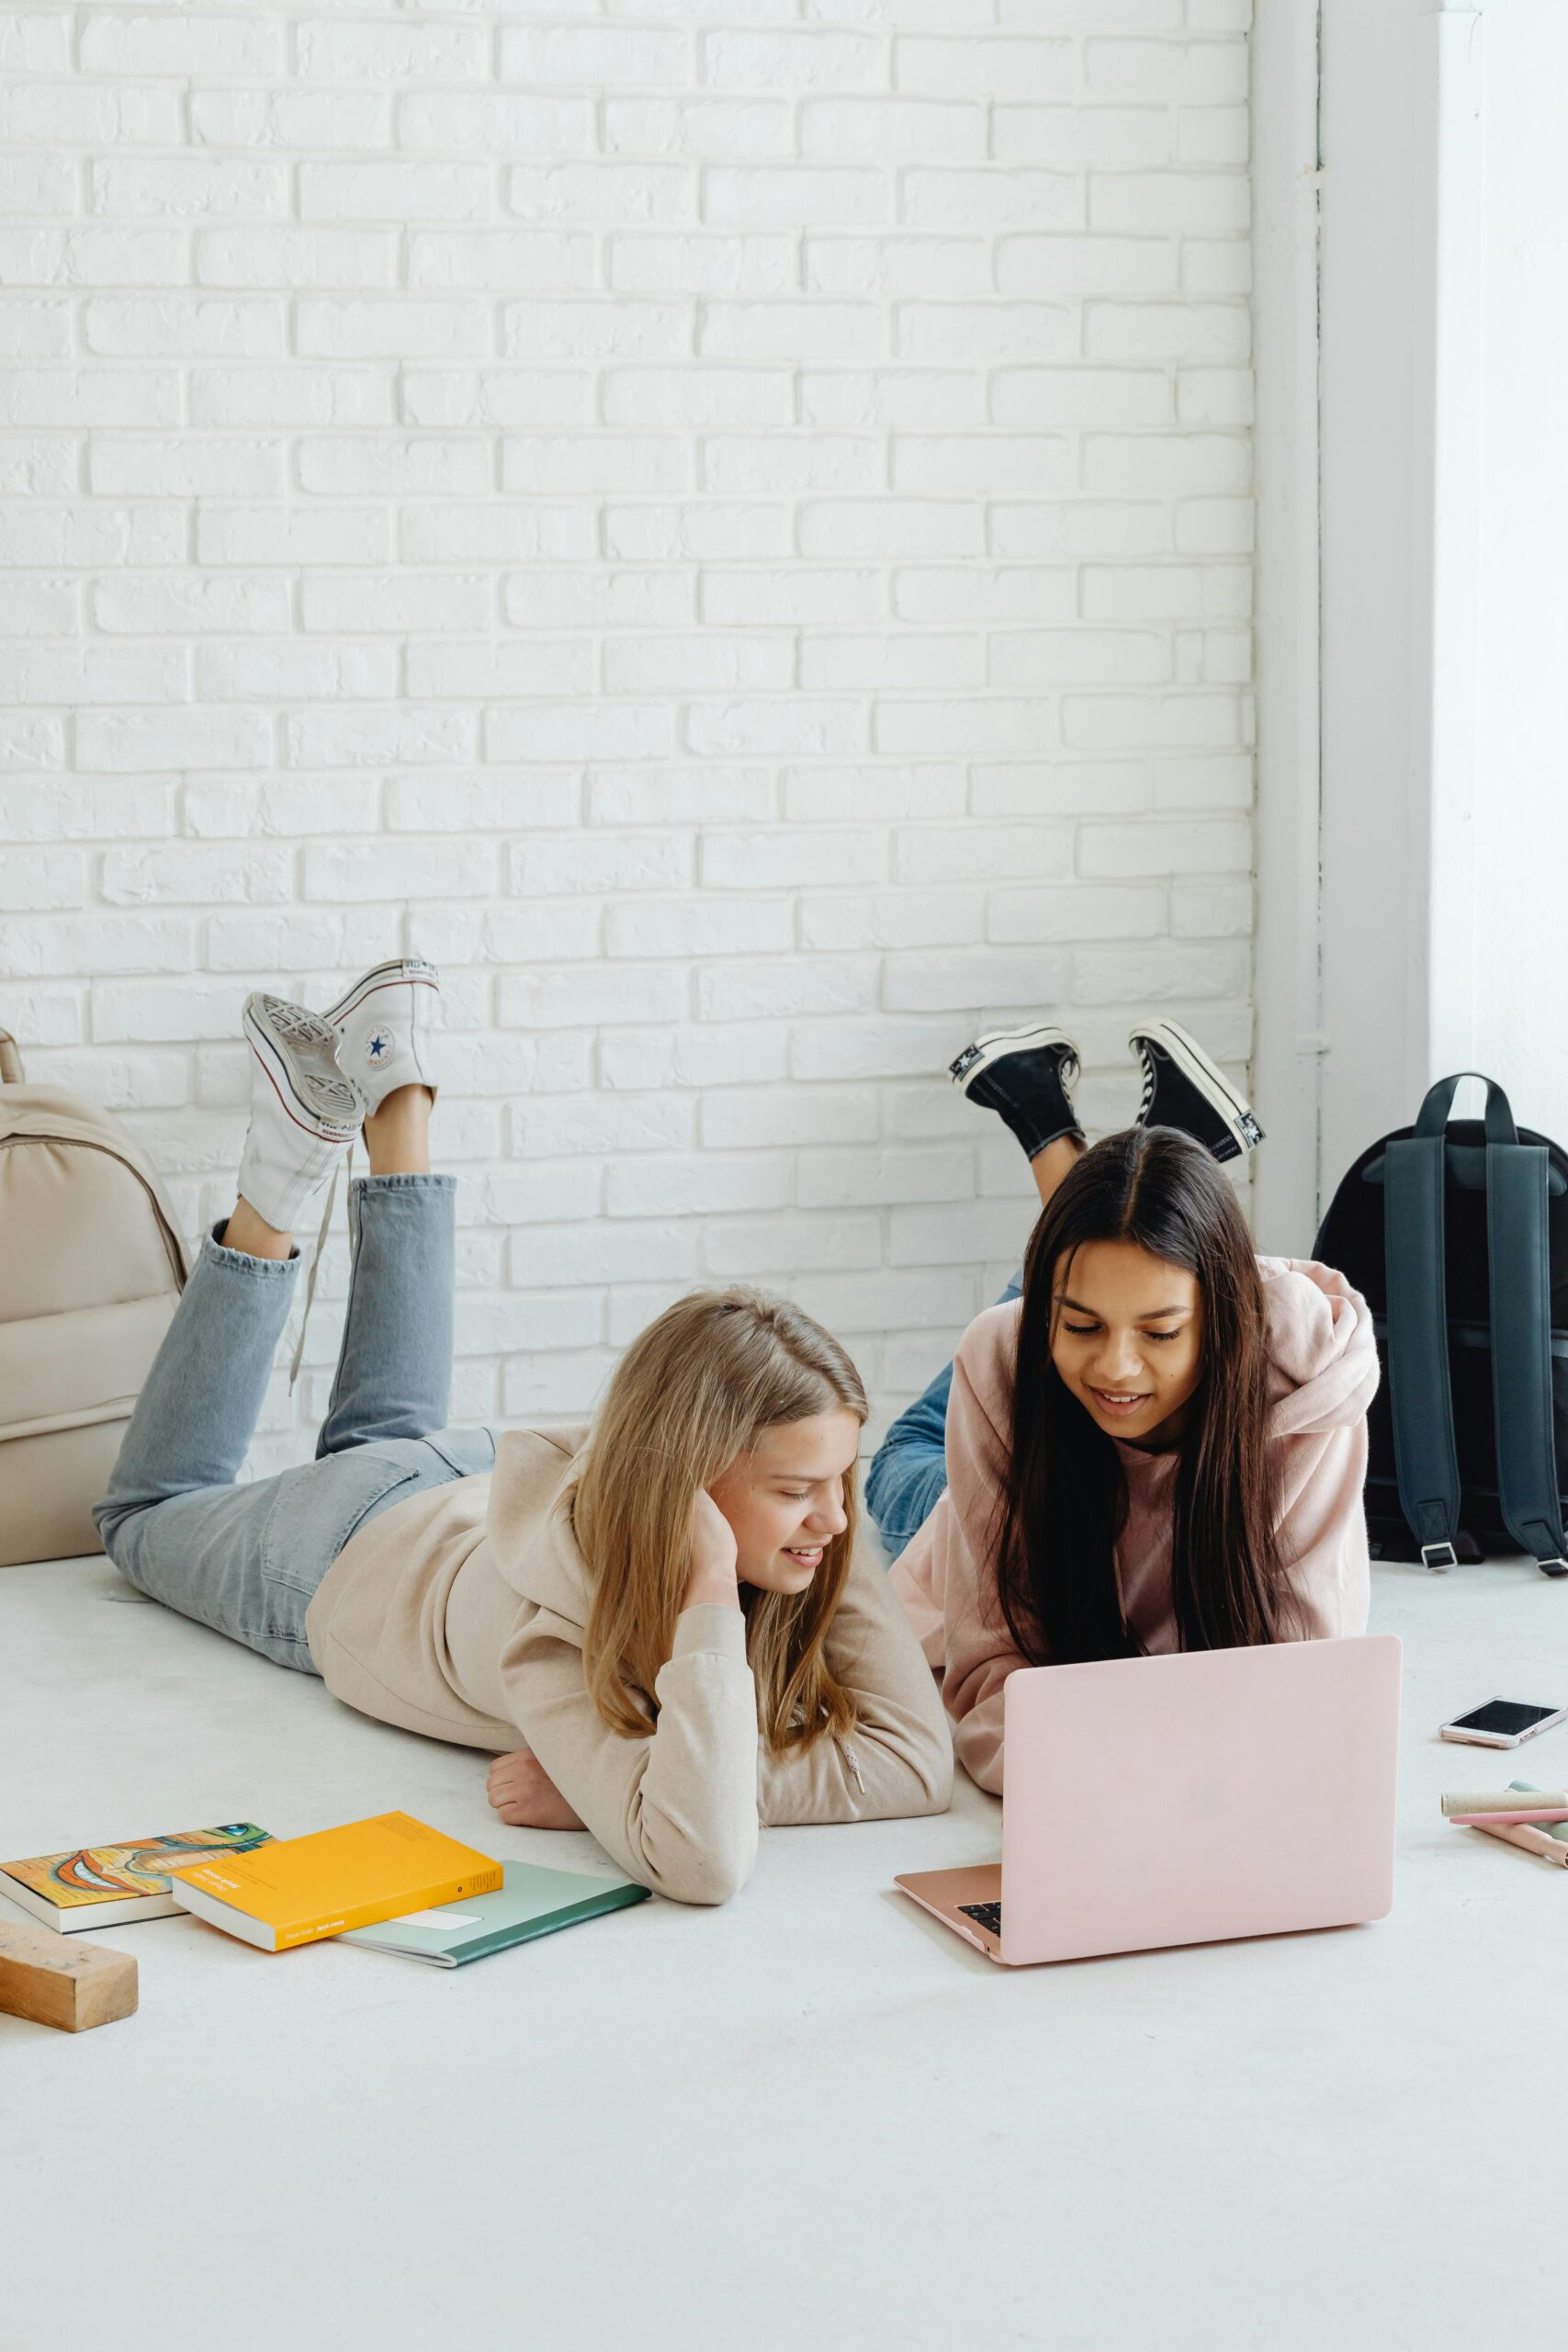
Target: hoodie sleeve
(898,1759)
(681,1810)
(1324,1375)
(946,1579)
(678,1810)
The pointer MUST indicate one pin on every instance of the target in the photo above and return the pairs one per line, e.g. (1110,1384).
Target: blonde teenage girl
(664,1622)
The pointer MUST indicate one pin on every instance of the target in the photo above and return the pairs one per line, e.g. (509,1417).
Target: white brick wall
(724,522)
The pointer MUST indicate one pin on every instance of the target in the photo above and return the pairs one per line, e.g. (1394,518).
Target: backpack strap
(1432,1118)
(1420,1401)
(1425,1458)
(1520,1278)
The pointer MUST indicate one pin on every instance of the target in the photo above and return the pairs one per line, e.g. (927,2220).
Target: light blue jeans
(246,1560)
(909,1470)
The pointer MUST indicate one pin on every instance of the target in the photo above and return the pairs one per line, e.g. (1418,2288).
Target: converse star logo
(377,1045)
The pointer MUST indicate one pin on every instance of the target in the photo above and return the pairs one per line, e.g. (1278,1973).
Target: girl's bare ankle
(397,1136)
(249,1233)
(1049,1167)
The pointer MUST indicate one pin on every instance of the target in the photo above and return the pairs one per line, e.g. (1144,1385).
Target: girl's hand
(525,1795)
(712,1575)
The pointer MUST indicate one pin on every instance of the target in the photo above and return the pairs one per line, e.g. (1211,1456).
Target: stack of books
(107,1886)
(390,1882)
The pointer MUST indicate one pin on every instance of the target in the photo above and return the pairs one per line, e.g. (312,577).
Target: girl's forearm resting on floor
(682,1809)
(677,1810)
(679,1816)
(897,1760)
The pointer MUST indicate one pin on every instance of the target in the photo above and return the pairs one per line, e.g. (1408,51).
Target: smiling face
(784,1499)
(1127,1338)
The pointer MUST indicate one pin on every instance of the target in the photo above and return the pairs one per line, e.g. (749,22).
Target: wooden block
(61,1981)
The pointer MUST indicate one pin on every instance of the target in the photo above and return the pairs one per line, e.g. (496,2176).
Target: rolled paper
(1534,1841)
(1503,1800)
(1536,1814)
(1529,1794)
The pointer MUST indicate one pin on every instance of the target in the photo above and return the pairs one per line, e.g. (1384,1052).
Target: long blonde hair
(689,1398)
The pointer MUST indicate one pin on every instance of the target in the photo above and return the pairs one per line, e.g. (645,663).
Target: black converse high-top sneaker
(1024,1075)
(1183,1089)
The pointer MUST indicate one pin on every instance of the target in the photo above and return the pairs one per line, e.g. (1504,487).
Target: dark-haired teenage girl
(1159,1442)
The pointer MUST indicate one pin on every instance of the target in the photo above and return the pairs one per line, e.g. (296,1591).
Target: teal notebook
(531,1902)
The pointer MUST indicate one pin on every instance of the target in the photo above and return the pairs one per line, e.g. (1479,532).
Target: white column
(1285,314)
(1401,284)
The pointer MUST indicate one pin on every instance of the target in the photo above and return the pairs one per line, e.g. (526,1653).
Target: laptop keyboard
(989,1914)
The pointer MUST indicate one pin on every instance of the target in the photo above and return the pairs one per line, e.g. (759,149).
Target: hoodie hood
(1323,1358)
(528,1521)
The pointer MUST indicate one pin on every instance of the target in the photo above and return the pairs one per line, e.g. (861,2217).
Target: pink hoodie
(1324,1375)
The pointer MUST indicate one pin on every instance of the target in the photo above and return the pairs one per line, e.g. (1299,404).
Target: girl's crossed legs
(247,1560)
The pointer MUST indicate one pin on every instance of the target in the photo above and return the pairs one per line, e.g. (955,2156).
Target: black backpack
(1457,1236)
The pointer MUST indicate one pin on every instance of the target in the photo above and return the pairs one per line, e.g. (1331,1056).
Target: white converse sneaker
(304,1113)
(383,1026)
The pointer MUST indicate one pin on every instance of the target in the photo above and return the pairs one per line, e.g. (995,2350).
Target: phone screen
(1503,1716)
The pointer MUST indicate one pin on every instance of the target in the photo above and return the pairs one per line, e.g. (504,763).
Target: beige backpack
(91,1271)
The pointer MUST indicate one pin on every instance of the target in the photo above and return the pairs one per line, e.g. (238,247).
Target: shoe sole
(1195,1066)
(310,1099)
(410,971)
(985,1051)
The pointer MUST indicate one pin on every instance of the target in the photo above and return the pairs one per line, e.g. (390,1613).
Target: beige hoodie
(461,1613)
(1323,1375)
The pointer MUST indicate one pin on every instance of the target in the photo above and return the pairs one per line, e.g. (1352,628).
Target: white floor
(810,2118)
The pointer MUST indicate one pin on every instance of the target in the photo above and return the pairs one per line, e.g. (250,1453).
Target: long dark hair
(1066,1504)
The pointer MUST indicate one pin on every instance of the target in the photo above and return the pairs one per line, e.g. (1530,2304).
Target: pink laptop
(1186,1798)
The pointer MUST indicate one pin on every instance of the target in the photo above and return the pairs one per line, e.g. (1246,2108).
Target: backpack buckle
(1438,1558)
(1552,1567)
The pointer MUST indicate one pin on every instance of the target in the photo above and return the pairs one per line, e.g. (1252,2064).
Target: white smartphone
(1503,1722)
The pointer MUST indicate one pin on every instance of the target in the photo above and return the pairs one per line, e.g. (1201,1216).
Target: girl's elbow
(922,1783)
(931,1772)
(707,1887)
(705,1876)
(938,1784)
(981,1757)
(933,1757)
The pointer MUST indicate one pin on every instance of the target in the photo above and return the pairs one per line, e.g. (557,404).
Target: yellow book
(298,1890)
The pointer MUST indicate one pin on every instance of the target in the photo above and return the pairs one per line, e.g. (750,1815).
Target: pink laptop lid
(1190,1798)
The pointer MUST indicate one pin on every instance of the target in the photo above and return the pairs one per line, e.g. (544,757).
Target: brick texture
(727,526)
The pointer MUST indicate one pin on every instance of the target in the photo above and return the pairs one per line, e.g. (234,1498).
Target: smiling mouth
(1103,1397)
(807,1560)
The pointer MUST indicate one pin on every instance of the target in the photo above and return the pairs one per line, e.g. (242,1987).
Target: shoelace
(1150,1079)
(316,1259)
(294,1022)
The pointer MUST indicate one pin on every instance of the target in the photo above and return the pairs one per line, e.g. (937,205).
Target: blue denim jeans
(246,1560)
(909,1470)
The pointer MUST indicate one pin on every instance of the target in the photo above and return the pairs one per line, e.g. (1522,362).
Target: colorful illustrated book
(106,1886)
(531,1902)
(297,1890)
